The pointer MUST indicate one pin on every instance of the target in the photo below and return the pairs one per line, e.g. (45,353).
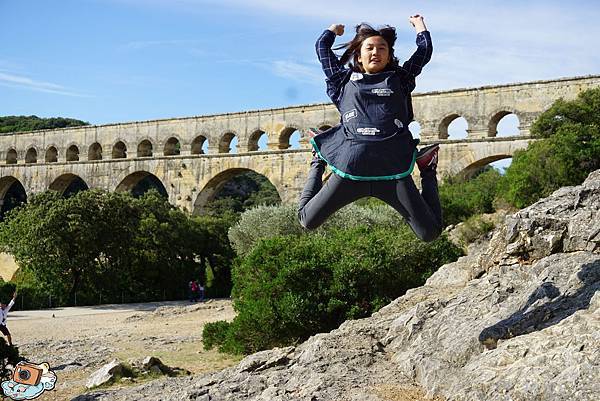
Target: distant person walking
(193,291)
(3,313)
(201,292)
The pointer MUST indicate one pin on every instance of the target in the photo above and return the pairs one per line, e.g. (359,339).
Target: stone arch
(198,144)
(225,142)
(51,154)
(140,182)
(68,184)
(31,156)
(144,148)
(12,194)
(95,151)
(254,138)
(445,123)
(11,156)
(497,116)
(284,136)
(471,169)
(72,154)
(172,147)
(119,150)
(212,187)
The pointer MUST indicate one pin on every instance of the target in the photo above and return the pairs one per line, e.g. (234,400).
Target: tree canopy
(101,245)
(32,123)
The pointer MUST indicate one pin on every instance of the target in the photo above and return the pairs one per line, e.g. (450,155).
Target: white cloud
(18,81)
(301,72)
(476,43)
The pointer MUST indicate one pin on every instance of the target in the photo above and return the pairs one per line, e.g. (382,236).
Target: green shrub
(564,159)
(269,221)
(568,152)
(214,333)
(461,198)
(291,287)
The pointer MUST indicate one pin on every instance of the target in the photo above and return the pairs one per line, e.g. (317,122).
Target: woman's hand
(338,29)
(418,22)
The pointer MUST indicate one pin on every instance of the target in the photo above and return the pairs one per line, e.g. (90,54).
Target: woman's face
(374,54)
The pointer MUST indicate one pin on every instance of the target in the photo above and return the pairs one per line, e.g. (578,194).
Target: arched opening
(496,161)
(95,151)
(51,155)
(68,184)
(258,141)
(226,145)
(172,147)
(453,127)
(502,165)
(234,191)
(199,145)
(72,153)
(285,137)
(504,124)
(12,194)
(31,156)
(119,150)
(144,149)
(415,129)
(140,182)
(11,156)
(295,140)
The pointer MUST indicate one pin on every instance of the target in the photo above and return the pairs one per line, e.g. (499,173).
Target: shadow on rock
(557,308)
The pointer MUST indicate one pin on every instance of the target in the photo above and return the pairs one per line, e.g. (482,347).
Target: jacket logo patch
(356,76)
(382,91)
(350,115)
(399,123)
(368,131)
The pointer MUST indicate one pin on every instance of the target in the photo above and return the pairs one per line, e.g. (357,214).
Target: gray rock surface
(519,319)
(105,374)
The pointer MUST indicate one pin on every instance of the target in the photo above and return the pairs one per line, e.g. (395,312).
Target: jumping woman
(371,151)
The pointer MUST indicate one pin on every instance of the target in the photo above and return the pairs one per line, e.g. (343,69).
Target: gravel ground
(77,341)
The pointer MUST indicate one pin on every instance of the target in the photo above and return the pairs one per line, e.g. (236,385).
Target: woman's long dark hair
(364,31)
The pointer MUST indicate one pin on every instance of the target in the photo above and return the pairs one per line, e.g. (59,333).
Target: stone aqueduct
(118,156)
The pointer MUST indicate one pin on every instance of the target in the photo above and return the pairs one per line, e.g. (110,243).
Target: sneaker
(427,157)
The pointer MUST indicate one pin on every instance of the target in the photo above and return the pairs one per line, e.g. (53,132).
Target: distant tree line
(106,247)
(32,123)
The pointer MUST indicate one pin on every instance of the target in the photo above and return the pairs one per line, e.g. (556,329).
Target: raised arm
(334,71)
(329,61)
(12,302)
(413,66)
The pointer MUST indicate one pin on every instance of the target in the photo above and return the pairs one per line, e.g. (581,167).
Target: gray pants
(422,211)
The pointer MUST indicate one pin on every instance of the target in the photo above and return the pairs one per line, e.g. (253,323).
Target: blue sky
(108,61)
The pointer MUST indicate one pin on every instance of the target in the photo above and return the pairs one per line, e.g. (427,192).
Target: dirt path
(77,341)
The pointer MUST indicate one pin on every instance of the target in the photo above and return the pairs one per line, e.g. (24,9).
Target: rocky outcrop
(106,374)
(517,320)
